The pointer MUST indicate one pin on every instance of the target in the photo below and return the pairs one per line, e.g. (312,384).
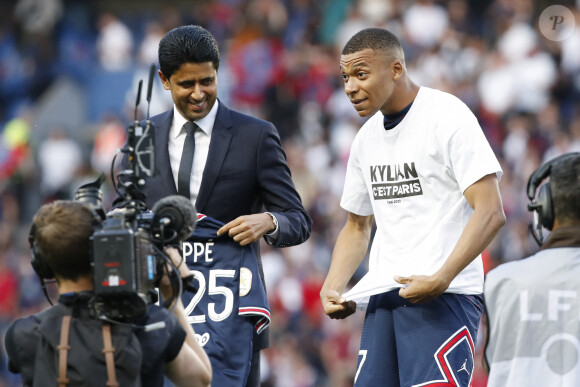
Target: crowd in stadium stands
(68,76)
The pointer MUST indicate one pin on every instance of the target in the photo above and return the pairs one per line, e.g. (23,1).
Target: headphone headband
(542,206)
(544,171)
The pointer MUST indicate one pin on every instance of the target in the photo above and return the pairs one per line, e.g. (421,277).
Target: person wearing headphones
(60,243)
(532,305)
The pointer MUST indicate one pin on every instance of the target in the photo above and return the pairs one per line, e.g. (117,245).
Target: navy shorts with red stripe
(425,344)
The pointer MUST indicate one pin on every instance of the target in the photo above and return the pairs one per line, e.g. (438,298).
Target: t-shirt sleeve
(469,152)
(11,351)
(355,196)
(176,339)
(20,342)
(164,343)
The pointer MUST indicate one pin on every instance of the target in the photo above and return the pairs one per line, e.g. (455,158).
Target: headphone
(542,206)
(41,268)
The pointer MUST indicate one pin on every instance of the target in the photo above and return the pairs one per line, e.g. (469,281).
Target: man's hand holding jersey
(248,228)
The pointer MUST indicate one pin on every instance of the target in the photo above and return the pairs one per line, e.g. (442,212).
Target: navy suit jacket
(245,173)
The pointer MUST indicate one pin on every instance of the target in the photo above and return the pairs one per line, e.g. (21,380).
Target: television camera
(127,243)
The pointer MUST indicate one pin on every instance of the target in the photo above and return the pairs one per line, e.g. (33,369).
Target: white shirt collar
(205,124)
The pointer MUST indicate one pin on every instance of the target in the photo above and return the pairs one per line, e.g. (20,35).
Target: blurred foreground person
(532,305)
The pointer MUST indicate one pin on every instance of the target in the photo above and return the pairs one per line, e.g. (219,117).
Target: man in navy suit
(239,173)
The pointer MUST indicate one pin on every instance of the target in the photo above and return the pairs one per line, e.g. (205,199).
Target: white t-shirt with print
(412,179)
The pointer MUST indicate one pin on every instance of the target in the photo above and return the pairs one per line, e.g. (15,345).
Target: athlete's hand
(248,228)
(335,306)
(421,288)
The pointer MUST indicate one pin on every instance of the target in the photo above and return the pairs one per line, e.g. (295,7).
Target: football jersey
(230,302)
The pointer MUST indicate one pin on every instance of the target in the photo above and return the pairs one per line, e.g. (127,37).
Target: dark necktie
(184,175)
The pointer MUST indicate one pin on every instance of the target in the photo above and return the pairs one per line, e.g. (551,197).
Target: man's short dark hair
(63,230)
(565,189)
(377,39)
(187,44)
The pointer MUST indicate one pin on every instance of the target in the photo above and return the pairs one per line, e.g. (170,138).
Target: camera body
(127,249)
(126,265)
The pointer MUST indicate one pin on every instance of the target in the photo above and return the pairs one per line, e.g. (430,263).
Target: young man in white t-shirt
(423,170)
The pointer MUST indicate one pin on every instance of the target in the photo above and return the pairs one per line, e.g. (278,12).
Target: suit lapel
(218,148)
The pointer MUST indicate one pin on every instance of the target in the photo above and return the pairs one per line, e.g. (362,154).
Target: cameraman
(62,234)
(533,330)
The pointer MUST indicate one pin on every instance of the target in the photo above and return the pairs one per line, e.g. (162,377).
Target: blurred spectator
(148,48)
(37,21)
(353,22)
(517,138)
(114,43)
(377,12)
(14,145)
(8,278)
(255,61)
(38,17)
(270,15)
(59,159)
(109,139)
(425,23)
(495,86)
(305,182)
(571,51)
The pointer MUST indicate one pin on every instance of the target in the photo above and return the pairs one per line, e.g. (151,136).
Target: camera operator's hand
(179,263)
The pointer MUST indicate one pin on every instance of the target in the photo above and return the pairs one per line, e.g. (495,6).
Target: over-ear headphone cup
(41,269)
(546,211)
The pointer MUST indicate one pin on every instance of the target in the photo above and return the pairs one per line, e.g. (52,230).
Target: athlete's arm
(191,366)
(488,217)
(349,251)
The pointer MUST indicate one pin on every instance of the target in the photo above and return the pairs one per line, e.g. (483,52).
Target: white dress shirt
(202,139)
